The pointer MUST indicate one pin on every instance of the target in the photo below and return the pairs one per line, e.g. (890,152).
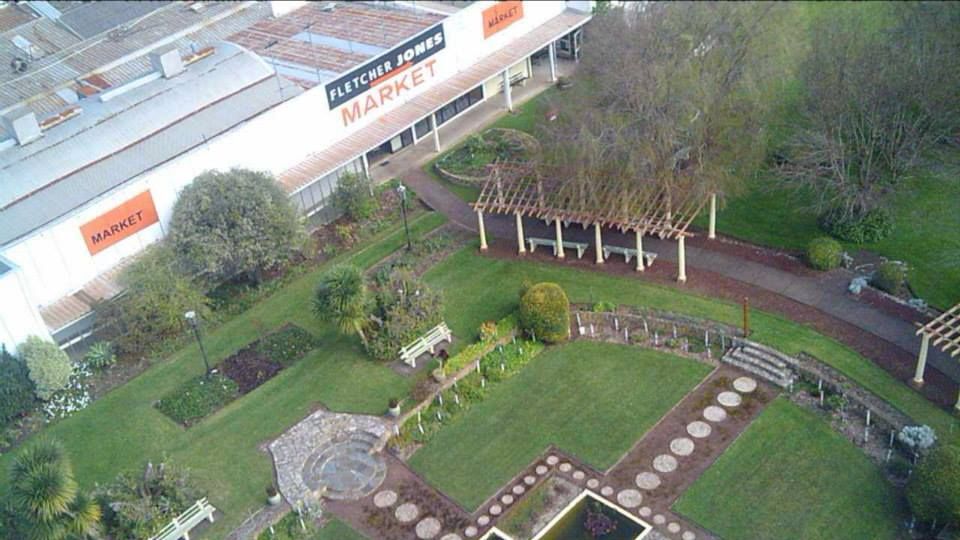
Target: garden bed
(238,375)
(469,163)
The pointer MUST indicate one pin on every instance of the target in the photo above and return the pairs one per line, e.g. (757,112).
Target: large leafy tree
(44,499)
(934,488)
(16,389)
(238,222)
(342,297)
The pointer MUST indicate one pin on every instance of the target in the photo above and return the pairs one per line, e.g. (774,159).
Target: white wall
(18,315)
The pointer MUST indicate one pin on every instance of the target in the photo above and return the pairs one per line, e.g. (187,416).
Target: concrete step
(759,371)
(748,357)
(788,360)
(765,355)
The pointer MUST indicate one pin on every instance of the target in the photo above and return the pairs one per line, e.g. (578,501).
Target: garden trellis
(624,204)
(945,332)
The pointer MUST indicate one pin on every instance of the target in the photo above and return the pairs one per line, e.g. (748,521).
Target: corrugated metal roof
(189,110)
(94,18)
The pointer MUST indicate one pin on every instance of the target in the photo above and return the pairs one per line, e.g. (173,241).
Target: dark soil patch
(890,306)
(788,261)
(249,369)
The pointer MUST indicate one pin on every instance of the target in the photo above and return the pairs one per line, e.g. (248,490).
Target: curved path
(825,292)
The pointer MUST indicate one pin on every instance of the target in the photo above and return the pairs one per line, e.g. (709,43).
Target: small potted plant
(563,83)
(393,409)
(273,497)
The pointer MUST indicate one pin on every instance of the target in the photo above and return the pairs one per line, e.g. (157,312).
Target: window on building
(459,105)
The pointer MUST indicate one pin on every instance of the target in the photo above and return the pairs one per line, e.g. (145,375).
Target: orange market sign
(121,222)
(388,88)
(501,15)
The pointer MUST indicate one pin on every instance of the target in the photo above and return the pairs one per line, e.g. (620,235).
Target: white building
(114,111)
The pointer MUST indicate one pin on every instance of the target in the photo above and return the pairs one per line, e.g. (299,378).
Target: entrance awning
(394,122)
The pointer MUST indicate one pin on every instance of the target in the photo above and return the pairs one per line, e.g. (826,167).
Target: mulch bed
(249,368)
(899,363)
(788,261)
(882,302)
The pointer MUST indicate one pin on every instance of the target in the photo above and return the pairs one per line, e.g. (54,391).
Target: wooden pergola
(945,333)
(645,208)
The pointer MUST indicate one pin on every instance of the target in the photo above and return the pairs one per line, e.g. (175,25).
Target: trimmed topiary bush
(50,368)
(824,253)
(545,313)
(891,276)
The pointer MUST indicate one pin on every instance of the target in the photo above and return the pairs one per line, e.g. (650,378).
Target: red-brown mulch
(249,368)
(788,261)
(891,307)
(899,363)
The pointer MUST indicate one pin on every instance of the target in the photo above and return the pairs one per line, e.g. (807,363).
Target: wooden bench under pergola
(645,208)
(945,333)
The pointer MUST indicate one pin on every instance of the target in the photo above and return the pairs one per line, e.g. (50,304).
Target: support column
(681,262)
(436,132)
(483,231)
(712,234)
(639,251)
(559,250)
(508,99)
(552,53)
(598,239)
(922,360)
(521,248)
(366,164)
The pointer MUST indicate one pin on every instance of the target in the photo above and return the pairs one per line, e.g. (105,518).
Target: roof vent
(328,7)
(28,48)
(22,124)
(168,62)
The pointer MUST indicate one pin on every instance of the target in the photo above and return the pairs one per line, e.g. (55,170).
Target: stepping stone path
(593,483)
(385,498)
(665,463)
(451,536)
(688,535)
(428,528)
(645,511)
(407,512)
(606,491)
(682,446)
(648,481)
(729,399)
(715,414)
(529,480)
(698,429)
(542,470)
(496,510)
(565,467)
(659,519)
(674,527)
(552,460)
(507,500)
(744,385)
(518,489)
(483,520)
(578,475)
(470,531)
(629,498)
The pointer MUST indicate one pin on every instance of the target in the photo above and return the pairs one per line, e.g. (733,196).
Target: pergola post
(559,229)
(552,53)
(436,132)
(520,247)
(639,250)
(508,99)
(483,231)
(681,261)
(366,164)
(712,234)
(598,240)
(922,360)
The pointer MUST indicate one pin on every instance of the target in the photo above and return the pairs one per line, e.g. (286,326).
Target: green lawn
(477,289)
(123,430)
(593,400)
(791,476)
(338,530)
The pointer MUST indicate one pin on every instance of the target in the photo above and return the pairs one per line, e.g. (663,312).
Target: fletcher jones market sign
(379,69)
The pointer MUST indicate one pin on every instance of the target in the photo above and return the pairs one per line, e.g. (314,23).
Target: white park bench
(181,525)
(629,253)
(425,343)
(552,244)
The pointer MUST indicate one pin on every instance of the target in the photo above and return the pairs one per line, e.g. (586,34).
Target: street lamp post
(402,191)
(191,317)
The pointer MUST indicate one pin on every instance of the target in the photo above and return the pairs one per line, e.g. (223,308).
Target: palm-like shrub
(545,313)
(100,355)
(45,498)
(342,298)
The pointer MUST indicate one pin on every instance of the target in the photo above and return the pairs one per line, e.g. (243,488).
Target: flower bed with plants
(467,164)
(240,374)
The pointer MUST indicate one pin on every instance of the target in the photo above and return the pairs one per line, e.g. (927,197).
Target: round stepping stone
(606,491)
(407,512)
(451,536)
(565,467)
(428,528)
(744,385)
(483,520)
(645,511)
(518,489)
(674,527)
(496,510)
(659,519)
(688,535)
(507,499)
(542,470)
(715,414)
(385,498)
(470,531)
(578,475)
(699,429)
(648,481)
(681,446)
(529,480)
(629,498)
(665,463)
(593,483)
(729,399)
(553,460)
